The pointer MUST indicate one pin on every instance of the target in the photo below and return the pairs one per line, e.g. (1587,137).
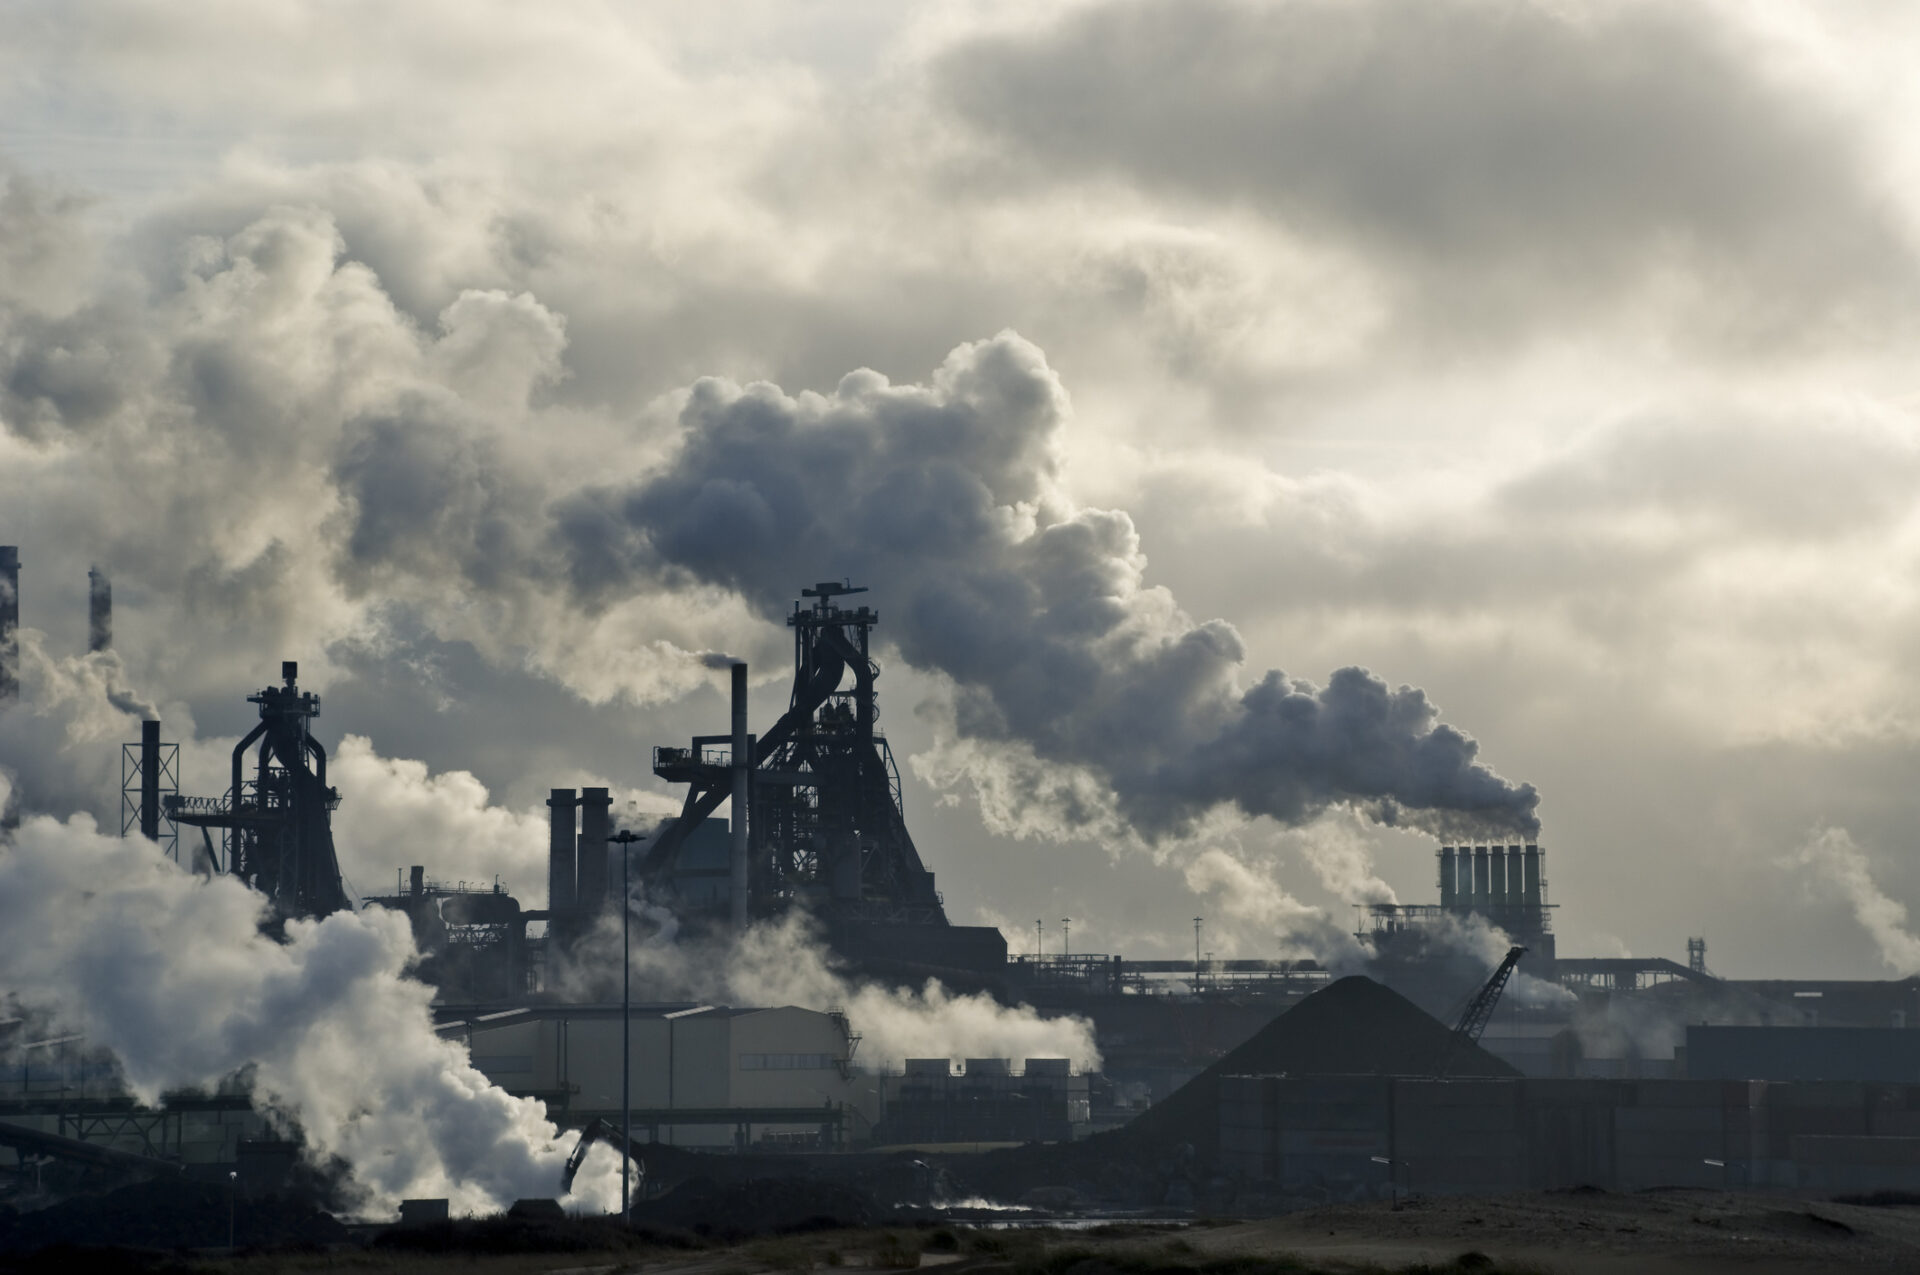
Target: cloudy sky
(1153,362)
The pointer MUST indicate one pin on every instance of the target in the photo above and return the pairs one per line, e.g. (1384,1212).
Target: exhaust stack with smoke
(9,623)
(561,805)
(596,831)
(742,760)
(99,610)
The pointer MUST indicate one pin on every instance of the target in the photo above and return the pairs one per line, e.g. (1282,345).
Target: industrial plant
(1468,1055)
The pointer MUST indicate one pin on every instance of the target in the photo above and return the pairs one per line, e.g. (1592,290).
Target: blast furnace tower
(825,830)
(278,824)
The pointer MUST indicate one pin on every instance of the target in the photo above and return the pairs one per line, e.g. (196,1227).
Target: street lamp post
(626,838)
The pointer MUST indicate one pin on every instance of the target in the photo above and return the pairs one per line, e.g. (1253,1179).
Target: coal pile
(168,1215)
(1352,1027)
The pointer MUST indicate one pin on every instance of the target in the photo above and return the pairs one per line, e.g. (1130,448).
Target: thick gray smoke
(170,972)
(945,500)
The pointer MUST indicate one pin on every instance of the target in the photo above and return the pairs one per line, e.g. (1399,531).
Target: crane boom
(1479,1011)
(599,1131)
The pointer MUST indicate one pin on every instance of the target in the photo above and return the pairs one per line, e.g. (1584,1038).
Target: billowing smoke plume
(170,972)
(786,963)
(361,460)
(62,738)
(945,499)
(1840,861)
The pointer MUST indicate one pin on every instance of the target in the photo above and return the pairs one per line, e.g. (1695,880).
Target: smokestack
(99,610)
(149,780)
(560,895)
(9,623)
(1482,880)
(1497,858)
(1532,892)
(1448,882)
(742,766)
(418,884)
(596,827)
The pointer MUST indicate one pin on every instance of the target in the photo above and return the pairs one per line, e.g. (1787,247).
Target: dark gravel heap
(1351,1027)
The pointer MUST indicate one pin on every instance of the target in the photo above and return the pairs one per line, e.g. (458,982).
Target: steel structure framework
(279,836)
(133,799)
(826,827)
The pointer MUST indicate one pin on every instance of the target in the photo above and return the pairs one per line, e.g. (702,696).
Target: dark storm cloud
(1501,152)
(942,499)
(427,493)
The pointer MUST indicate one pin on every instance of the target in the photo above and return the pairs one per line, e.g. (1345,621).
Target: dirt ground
(1574,1233)
(1594,1233)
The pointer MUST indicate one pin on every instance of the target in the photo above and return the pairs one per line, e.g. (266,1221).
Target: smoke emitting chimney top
(9,622)
(99,610)
(290,670)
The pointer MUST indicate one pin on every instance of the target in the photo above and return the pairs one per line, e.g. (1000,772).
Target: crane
(1479,1011)
(599,1131)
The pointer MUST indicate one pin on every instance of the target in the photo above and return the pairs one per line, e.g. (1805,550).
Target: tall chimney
(150,780)
(9,623)
(742,772)
(596,827)
(99,610)
(1497,857)
(417,884)
(560,895)
(1482,883)
(1448,882)
(1532,889)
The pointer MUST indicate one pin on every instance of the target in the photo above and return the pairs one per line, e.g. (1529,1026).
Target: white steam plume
(1839,860)
(785,963)
(169,971)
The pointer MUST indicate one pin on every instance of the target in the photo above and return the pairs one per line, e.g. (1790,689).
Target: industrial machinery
(1479,1011)
(278,835)
(824,830)
(825,824)
(600,1131)
(472,937)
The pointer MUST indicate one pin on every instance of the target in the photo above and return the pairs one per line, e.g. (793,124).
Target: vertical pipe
(150,780)
(99,610)
(417,880)
(742,767)
(1497,859)
(1482,880)
(1533,877)
(1516,879)
(560,893)
(626,1030)
(596,829)
(9,622)
(1448,882)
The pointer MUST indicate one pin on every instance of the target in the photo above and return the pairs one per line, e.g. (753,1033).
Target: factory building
(1360,1137)
(708,1076)
(987,1101)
